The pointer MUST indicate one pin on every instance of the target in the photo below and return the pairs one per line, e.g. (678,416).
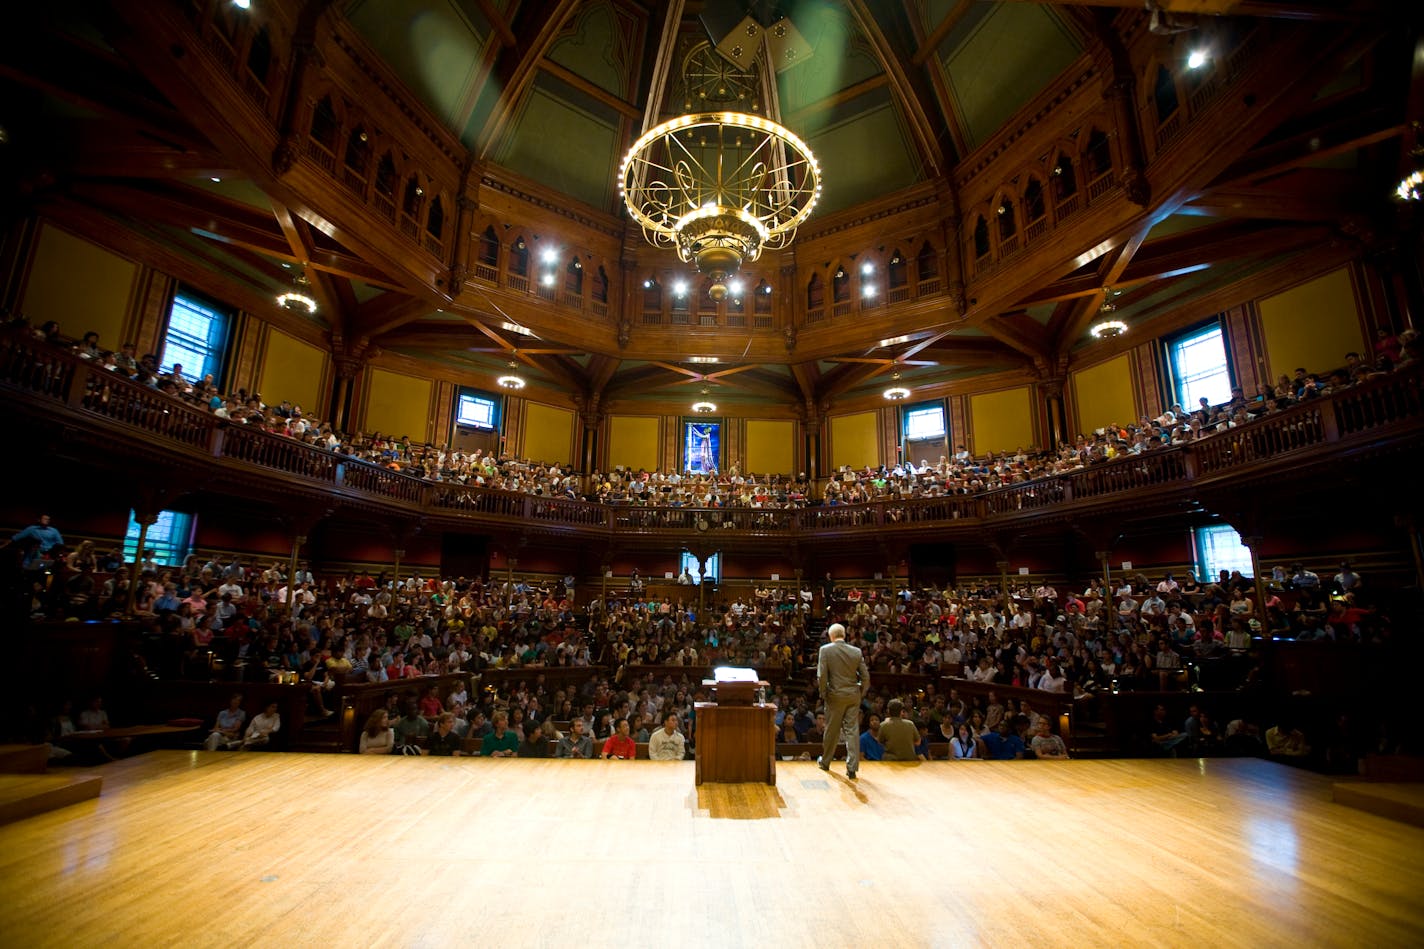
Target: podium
(736,735)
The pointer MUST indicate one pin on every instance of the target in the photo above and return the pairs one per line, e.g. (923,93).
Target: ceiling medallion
(720,187)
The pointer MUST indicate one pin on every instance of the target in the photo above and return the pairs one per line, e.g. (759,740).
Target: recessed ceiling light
(215,179)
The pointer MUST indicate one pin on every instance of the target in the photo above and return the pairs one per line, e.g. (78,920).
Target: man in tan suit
(844,679)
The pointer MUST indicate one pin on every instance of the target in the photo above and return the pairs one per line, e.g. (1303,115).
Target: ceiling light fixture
(704,407)
(720,187)
(1197,58)
(867,268)
(511,379)
(868,291)
(897,392)
(242,4)
(1409,187)
(1107,329)
(299,297)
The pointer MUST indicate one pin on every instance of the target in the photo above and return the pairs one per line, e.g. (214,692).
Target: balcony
(110,421)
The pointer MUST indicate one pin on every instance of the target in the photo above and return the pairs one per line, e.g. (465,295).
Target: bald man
(844,679)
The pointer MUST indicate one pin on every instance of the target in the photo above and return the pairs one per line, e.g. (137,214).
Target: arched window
(981,238)
(259,55)
(324,124)
(897,270)
(652,296)
(840,285)
(386,176)
(927,262)
(1065,181)
(435,220)
(489,248)
(1033,204)
(1164,94)
(1008,221)
(1098,154)
(413,193)
(762,303)
(815,293)
(358,151)
(600,285)
(573,277)
(519,258)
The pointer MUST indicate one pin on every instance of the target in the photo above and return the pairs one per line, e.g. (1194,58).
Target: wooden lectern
(736,735)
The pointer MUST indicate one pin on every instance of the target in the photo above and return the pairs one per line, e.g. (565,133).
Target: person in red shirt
(430,705)
(620,744)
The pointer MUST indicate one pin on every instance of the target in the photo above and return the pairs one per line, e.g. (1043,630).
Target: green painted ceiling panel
(863,158)
(564,147)
(237,189)
(999,57)
(589,52)
(435,46)
(1179,223)
(841,59)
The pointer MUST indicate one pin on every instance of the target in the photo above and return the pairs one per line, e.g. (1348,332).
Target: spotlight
(548,255)
(215,179)
(766,289)
(736,287)
(868,291)
(1197,59)
(867,268)
(679,289)
(242,4)
(547,280)
(647,285)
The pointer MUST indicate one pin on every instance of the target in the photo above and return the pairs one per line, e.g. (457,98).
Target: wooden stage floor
(214,849)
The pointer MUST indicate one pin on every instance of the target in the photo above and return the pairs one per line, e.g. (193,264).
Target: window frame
(212,352)
(171,534)
(1175,377)
(1205,565)
(922,408)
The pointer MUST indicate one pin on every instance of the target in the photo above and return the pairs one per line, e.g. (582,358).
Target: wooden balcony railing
(45,382)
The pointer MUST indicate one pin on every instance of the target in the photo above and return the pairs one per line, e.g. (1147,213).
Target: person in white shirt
(667,743)
(262,727)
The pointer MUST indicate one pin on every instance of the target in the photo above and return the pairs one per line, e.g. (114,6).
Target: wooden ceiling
(106,136)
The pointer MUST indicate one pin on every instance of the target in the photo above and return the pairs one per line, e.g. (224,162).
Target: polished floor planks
(269,849)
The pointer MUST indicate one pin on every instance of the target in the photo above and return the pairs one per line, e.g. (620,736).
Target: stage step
(23,759)
(25,795)
(1399,802)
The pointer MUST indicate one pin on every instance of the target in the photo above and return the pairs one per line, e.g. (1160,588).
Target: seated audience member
(1004,744)
(378,738)
(227,732)
(93,718)
(538,741)
(576,744)
(263,726)
(898,735)
(1284,740)
(1165,738)
(501,742)
(1046,744)
(965,744)
(870,747)
(667,743)
(410,728)
(620,744)
(444,741)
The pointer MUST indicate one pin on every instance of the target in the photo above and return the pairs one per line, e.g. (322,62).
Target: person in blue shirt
(870,747)
(41,538)
(1005,744)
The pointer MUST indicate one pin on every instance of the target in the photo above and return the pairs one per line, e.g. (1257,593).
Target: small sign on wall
(1023,571)
(1127,565)
(775,577)
(668,575)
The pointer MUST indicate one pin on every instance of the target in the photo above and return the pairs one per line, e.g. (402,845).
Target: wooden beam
(798,119)
(496,22)
(941,30)
(625,109)
(518,64)
(906,88)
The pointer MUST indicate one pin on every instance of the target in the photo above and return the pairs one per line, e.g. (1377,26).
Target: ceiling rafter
(518,64)
(908,88)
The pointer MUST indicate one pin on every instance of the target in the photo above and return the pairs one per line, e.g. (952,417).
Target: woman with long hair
(378,738)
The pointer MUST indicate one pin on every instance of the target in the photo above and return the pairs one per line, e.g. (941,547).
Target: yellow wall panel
(770,446)
(854,441)
(292,371)
(80,285)
(1313,325)
(633,442)
(548,433)
(1002,420)
(398,405)
(1103,395)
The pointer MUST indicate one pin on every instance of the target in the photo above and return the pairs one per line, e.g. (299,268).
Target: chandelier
(1107,329)
(897,392)
(299,296)
(704,407)
(511,380)
(720,187)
